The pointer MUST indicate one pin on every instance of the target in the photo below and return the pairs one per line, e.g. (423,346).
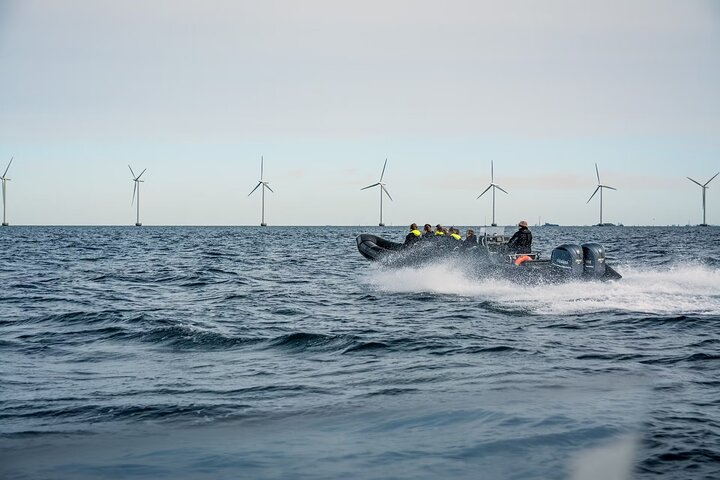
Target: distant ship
(551,224)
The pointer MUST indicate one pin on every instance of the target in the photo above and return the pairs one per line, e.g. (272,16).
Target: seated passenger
(439,230)
(455,233)
(414,235)
(521,241)
(470,240)
(427,231)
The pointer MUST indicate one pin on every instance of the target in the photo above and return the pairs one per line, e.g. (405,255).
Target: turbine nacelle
(492,185)
(264,185)
(598,189)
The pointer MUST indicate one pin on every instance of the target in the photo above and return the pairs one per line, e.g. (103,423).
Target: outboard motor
(568,260)
(594,260)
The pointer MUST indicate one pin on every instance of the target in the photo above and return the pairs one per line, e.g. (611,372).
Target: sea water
(279,352)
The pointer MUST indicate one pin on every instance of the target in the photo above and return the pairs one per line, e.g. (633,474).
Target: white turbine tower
(600,187)
(136,189)
(704,187)
(382,189)
(264,186)
(492,185)
(4,187)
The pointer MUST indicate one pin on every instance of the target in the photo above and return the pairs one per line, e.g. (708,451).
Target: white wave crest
(678,290)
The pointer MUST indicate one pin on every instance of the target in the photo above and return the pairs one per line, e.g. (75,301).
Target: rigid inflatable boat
(490,257)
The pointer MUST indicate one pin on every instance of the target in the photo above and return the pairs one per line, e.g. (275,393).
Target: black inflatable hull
(484,264)
(376,248)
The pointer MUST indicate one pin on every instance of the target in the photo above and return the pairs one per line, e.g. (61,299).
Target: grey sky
(197,91)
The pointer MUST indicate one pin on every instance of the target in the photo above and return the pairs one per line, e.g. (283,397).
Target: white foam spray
(678,290)
(613,461)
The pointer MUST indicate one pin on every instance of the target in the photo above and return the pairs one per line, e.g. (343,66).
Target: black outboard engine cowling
(568,260)
(594,260)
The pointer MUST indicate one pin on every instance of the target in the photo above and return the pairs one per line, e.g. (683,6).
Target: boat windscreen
(492,231)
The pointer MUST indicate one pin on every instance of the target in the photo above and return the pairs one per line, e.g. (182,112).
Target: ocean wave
(190,337)
(306,341)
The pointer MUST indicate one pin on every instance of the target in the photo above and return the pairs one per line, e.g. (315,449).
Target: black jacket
(521,242)
(469,242)
(411,238)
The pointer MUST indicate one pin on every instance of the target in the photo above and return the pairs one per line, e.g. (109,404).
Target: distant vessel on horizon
(547,224)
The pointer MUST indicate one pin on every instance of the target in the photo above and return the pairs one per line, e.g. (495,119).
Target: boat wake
(679,290)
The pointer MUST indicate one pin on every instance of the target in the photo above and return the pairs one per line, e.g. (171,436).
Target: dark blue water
(281,353)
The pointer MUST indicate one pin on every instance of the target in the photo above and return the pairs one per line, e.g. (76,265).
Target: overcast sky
(326,90)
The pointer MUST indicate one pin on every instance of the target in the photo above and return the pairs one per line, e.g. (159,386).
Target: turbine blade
(256,187)
(591,196)
(706,183)
(131,171)
(383,171)
(370,186)
(11,159)
(141,174)
(597,172)
(485,191)
(262,167)
(268,187)
(386,192)
(605,186)
(492,172)
(501,189)
(134,190)
(699,184)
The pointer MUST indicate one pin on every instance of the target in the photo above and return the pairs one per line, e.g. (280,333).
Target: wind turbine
(600,187)
(704,187)
(5,179)
(136,189)
(492,185)
(382,189)
(264,186)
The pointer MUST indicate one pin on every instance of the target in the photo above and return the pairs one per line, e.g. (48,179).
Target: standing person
(413,236)
(521,241)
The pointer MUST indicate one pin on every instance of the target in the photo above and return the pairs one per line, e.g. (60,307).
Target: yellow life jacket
(439,233)
(415,232)
(456,236)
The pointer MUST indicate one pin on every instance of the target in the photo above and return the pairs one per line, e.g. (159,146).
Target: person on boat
(427,231)
(414,235)
(439,230)
(470,240)
(521,241)
(455,234)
